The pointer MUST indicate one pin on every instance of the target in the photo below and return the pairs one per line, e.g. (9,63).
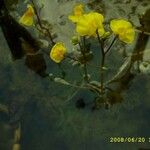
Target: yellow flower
(123,29)
(58,52)
(27,18)
(89,23)
(77,13)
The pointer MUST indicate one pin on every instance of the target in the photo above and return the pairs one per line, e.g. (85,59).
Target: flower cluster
(92,23)
(89,24)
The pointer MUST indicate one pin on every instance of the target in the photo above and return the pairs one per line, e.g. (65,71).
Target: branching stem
(110,46)
(40,23)
(102,62)
(103,53)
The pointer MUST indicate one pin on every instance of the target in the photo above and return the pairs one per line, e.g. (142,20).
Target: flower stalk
(110,46)
(83,49)
(101,42)
(63,73)
(87,25)
(40,24)
(103,53)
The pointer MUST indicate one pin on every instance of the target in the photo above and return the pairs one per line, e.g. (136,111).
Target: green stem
(63,73)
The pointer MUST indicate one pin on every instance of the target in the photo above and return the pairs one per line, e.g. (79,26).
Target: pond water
(48,112)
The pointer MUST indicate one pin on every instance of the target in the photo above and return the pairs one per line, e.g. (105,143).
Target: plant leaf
(62,81)
(122,71)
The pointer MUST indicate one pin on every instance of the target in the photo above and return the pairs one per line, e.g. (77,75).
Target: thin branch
(72,58)
(101,43)
(72,85)
(40,23)
(110,46)
(72,95)
(102,62)
(85,63)
(82,86)
(75,59)
(144,32)
(136,54)
(63,73)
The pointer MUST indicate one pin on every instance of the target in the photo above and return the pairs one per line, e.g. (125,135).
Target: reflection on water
(48,115)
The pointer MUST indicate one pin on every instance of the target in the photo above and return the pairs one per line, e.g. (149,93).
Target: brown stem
(72,58)
(40,23)
(110,46)
(102,62)
(82,49)
(101,44)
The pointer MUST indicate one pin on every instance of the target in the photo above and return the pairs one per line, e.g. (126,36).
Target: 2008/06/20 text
(129,139)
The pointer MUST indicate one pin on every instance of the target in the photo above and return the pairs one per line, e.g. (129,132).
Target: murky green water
(47,111)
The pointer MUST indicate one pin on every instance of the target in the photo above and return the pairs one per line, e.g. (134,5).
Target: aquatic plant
(90,25)
(87,25)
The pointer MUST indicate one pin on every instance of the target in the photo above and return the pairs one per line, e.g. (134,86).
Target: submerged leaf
(62,81)
(122,71)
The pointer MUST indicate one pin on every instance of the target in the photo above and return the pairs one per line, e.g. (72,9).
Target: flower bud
(75,40)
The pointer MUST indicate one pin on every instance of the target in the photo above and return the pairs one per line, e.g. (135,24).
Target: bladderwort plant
(87,25)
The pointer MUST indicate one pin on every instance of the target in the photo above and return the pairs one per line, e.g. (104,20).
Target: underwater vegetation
(85,66)
(89,25)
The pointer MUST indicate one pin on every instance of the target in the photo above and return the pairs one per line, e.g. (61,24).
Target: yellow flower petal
(58,52)
(123,29)
(98,18)
(78,10)
(101,31)
(128,36)
(118,24)
(89,23)
(77,13)
(73,18)
(27,18)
